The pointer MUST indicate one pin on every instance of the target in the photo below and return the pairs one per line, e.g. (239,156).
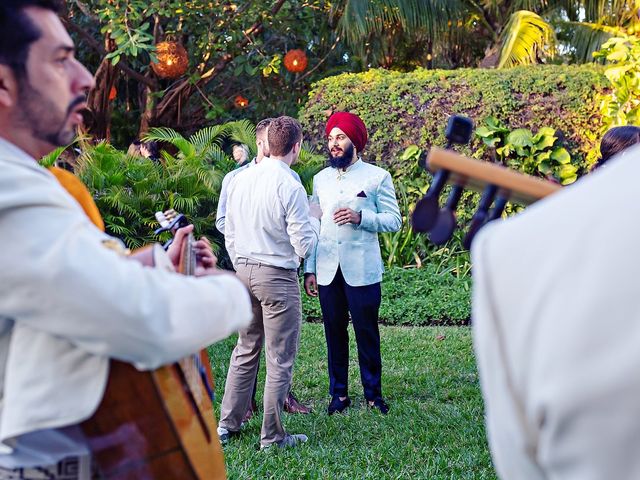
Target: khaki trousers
(277,315)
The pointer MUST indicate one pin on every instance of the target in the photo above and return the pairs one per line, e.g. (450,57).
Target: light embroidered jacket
(369,190)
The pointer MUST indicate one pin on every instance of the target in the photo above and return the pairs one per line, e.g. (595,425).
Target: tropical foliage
(129,189)
(402,109)
(622,106)
(537,154)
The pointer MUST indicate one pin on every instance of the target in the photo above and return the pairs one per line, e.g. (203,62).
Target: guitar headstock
(170,220)
(496,182)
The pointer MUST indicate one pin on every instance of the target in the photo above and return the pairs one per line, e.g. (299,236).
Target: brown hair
(263,125)
(284,132)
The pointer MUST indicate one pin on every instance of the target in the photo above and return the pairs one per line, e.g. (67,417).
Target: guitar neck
(518,187)
(187,264)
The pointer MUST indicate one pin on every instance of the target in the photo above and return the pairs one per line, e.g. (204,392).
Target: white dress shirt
(221,213)
(268,217)
(556,319)
(68,304)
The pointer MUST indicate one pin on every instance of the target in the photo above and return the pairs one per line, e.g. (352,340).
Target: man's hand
(315,210)
(342,216)
(206,261)
(310,284)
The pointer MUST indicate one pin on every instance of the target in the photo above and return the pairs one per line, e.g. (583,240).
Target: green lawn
(434,430)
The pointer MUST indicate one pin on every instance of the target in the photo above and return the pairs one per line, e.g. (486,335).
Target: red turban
(352,125)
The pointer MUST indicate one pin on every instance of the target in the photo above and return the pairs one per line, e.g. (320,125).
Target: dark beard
(341,161)
(38,113)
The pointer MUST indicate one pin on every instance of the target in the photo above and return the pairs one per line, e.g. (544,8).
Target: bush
(416,296)
(401,109)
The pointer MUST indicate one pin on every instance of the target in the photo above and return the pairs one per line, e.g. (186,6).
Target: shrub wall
(401,109)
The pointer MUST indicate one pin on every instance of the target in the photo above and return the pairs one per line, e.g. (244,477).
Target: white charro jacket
(369,190)
(68,304)
(556,318)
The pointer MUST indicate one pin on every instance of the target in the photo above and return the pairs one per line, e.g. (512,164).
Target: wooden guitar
(497,183)
(158,425)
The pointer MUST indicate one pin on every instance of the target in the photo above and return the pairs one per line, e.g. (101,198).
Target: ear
(8,87)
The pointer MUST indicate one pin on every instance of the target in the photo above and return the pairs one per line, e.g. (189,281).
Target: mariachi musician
(68,302)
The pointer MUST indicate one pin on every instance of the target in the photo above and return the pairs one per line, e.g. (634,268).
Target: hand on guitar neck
(206,261)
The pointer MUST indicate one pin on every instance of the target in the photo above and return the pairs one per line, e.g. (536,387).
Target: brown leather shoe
(250,411)
(292,405)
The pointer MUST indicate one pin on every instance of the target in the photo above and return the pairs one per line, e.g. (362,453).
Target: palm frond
(205,137)
(360,21)
(50,159)
(163,134)
(587,38)
(527,38)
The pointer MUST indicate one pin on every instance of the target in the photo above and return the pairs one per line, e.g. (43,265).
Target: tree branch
(209,75)
(95,45)
(302,77)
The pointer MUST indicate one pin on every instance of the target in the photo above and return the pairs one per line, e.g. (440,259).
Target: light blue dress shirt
(369,190)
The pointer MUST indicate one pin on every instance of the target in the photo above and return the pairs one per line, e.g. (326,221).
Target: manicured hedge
(415,296)
(401,109)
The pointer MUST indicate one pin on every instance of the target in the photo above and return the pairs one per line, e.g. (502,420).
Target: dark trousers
(337,300)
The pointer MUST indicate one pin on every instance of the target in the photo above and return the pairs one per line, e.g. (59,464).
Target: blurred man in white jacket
(556,319)
(69,304)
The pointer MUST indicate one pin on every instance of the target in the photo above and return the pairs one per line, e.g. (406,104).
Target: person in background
(358,201)
(291,403)
(240,153)
(145,149)
(270,226)
(615,140)
(56,344)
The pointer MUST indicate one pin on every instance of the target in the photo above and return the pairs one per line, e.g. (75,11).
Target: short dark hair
(263,125)
(284,132)
(17,31)
(615,140)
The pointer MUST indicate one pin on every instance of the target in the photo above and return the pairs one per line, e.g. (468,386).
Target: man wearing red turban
(358,201)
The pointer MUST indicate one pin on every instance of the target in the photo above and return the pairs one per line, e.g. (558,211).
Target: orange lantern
(241,102)
(173,60)
(295,61)
(113,93)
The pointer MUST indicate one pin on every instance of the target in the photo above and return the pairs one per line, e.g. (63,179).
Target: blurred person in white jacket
(556,325)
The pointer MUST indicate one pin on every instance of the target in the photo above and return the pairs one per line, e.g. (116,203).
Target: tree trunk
(98,101)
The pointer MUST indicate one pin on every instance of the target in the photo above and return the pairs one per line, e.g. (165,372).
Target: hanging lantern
(113,93)
(241,102)
(173,60)
(295,61)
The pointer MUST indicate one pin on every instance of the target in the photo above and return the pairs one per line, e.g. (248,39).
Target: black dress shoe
(380,404)
(337,405)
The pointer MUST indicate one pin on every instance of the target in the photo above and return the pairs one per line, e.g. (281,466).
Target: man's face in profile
(52,92)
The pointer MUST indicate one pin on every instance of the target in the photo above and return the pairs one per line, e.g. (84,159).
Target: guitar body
(156,425)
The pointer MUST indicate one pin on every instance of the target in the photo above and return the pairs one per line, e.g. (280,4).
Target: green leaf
(561,156)
(410,153)
(543,142)
(492,142)
(484,132)
(544,167)
(520,137)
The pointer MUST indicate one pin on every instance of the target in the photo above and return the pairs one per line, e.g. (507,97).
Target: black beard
(38,113)
(341,161)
